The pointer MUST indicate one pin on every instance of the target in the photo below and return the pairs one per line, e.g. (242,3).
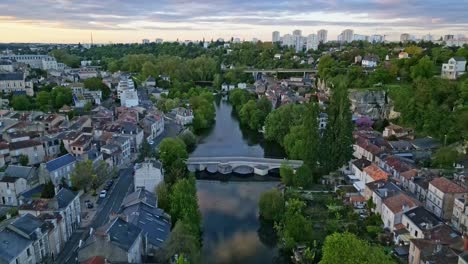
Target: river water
(232,232)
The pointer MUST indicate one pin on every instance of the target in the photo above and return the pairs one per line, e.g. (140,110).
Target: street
(110,204)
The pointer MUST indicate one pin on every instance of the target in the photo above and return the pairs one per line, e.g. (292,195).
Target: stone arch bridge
(241,165)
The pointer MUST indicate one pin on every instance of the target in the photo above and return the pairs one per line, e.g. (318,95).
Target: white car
(103,194)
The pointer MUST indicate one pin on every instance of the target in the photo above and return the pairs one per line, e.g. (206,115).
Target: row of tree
(252,112)
(178,196)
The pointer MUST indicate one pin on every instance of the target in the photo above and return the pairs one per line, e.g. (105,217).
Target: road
(111,204)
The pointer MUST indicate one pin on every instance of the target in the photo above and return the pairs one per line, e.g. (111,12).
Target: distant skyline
(122,21)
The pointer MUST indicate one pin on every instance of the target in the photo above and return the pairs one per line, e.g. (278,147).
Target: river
(232,232)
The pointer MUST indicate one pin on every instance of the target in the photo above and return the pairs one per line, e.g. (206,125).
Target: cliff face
(374,104)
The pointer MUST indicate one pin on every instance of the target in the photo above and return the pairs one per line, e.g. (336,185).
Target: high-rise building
(376,38)
(449,37)
(312,42)
(288,40)
(145,41)
(427,37)
(297,32)
(322,35)
(405,37)
(348,35)
(159,40)
(358,37)
(275,37)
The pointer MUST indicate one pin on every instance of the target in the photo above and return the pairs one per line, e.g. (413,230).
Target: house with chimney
(394,207)
(441,197)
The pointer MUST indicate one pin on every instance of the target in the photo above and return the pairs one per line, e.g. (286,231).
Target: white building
(275,37)
(145,41)
(322,35)
(359,37)
(129,98)
(184,116)
(347,35)
(428,38)
(376,38)
(10,188)
(159,41)
(393,209)
(312,42)
(6,66)
(44,62)
(125,83)
(455,67)
(15,82)
(148,175)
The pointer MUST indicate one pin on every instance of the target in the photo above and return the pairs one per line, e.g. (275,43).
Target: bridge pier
(261,170)
(224,168)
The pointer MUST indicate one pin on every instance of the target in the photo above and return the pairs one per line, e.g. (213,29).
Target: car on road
(151,142)
(103,194)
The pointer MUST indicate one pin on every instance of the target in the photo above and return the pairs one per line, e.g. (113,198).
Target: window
(28,251)
(415,233)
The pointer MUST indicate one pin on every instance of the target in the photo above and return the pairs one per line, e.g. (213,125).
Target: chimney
(438,247)
(465,242)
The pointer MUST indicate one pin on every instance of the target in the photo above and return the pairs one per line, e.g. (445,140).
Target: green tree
(336,146)
(21,103)
(82,175)
(304,177)
(163,195)
(170,150)
(445,157)
(325,66)
(184,205)
(295,228)
(287,174)
(423,69)
(279,122)
(346,248)
(182,242)
(189,139)
(23,160)
(271,205)
(48,191)
(43,100)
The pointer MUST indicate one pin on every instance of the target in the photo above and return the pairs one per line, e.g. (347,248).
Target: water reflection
(231,225)
(226,138)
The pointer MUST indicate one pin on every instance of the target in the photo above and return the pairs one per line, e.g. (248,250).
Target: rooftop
(399,202)
(11,76)
(376,173)
(64,197)
(60,162)
(123,234)
(423,218)
(11,245)
(447,186)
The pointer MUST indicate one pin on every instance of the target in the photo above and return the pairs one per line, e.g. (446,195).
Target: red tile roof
(447,186)
(409,174)
(376,173)
(396,203)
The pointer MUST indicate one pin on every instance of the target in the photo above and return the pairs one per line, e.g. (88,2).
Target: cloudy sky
(72,21)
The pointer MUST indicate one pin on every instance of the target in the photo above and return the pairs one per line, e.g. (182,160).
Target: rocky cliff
(374,104)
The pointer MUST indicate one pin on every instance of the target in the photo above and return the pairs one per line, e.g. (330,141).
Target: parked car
(103,194)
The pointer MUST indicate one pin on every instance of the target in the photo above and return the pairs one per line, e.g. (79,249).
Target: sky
(127,21)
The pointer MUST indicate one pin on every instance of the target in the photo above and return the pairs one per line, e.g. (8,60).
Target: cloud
(229,15)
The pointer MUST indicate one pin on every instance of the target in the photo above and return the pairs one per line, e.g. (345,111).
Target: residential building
(394,207)
(58,170)
(184,116)
(455,67)
(140,209)
(35,230)
(322,35)
(118,242)
(65,203)
(31,148)
(148,175)
(29,173)
(460,215)
(359,37)
(125,83)
(405,37)
(441,197)
(150,82)
(378,191)
(397,131)
(419,222)
(6,66)
(129,98)
(43,62)
(153,126)
(145,41)
(15,83)
(16,249)
(124,143)
(370,61)
(373,173)
(10,188)
(275,38)
(423,251)
(347,35)
(376,38)
(312,42)
(403,55)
